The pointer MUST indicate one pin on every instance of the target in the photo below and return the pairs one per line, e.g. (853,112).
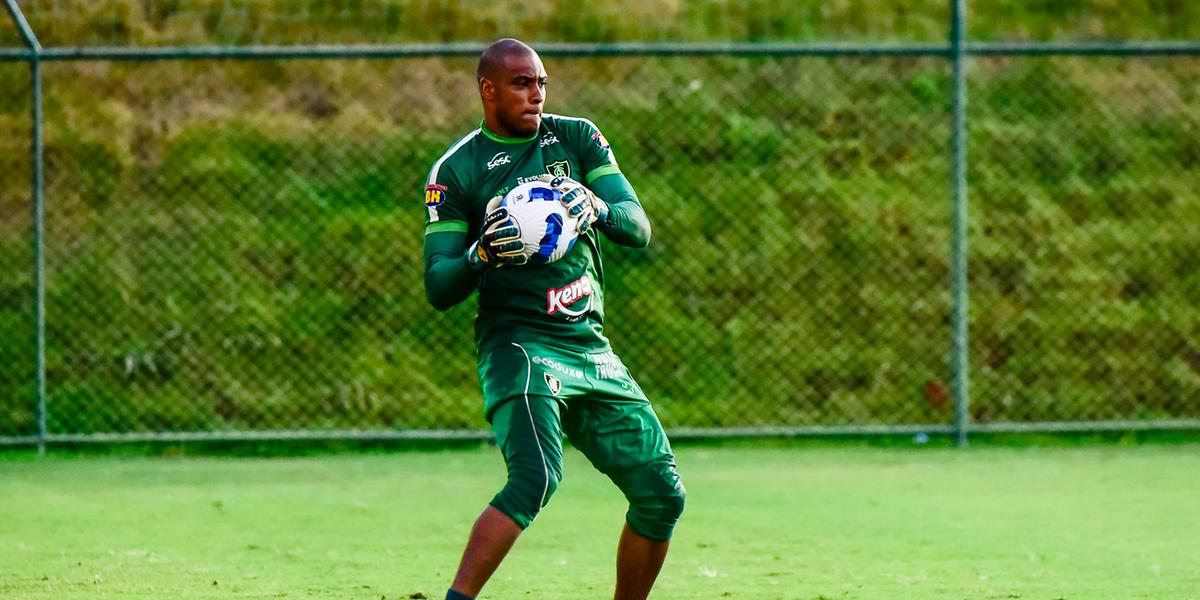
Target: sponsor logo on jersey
(559,168)
(501,158)
(553,383)
(598,138)
(547,140)
(435,194)
(608,366)
(557,366)
(561,299)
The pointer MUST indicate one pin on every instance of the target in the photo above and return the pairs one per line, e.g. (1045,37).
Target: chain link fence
(18,411)
(234,247)
(1086,238)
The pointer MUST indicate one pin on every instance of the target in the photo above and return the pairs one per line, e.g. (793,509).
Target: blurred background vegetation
(182,22)
(236,245)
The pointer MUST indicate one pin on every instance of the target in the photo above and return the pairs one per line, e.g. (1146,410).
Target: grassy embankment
(237,244)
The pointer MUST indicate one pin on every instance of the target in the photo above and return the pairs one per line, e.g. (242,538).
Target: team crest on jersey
(598,138)
(435,194)
(553,383)
(559,168)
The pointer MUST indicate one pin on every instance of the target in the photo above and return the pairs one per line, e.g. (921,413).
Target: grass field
(762,522)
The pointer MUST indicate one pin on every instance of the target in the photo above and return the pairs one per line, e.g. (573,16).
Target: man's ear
(487,90)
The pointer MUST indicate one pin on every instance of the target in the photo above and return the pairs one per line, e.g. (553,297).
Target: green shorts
(526,368)
(537,394)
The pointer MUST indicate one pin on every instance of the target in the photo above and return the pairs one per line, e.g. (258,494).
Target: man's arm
(449,279)
(626,222)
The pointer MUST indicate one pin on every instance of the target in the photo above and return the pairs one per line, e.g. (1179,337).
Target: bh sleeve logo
(435,194)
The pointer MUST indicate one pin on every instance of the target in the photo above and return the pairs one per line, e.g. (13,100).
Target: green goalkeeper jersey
(561,302)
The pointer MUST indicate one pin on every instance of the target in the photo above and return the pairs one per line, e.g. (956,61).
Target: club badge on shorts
(553,383)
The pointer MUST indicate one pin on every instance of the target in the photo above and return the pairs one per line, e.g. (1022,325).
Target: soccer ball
(546,230)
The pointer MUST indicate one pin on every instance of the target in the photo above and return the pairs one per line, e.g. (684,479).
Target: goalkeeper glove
(580,201)
(500,243)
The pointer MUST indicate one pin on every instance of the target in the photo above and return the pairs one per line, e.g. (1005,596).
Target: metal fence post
(958,266)
(38,201)
(39,228)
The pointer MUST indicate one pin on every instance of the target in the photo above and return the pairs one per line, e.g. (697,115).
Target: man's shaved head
(512,86)
(492,62)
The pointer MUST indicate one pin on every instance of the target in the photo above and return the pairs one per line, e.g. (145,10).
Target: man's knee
(525,493)
(657,502)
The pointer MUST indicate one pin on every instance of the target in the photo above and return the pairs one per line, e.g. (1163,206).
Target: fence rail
(467,50)
(191,332)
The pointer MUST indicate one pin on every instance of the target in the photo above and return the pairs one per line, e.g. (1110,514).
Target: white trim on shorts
(536,438)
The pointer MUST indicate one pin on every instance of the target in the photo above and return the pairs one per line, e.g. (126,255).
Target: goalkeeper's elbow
(440,299)
(641,236)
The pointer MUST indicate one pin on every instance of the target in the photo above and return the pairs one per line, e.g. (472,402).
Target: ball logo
(561,299)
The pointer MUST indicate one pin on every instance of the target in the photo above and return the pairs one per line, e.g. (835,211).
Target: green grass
(762,522)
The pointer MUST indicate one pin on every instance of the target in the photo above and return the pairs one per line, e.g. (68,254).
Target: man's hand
(500,243)
(581,203)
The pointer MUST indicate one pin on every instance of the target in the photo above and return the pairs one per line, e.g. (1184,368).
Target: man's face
(519,91)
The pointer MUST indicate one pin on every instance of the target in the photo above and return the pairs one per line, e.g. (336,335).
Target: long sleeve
(448,279)
(627,223)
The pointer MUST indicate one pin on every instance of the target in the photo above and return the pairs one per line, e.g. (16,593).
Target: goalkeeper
(544,364)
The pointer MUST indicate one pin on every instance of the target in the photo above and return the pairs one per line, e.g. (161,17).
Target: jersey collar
(506,140)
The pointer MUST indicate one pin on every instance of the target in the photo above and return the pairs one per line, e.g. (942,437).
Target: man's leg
(639,560)
(529,433)
(625,440)
(491,538)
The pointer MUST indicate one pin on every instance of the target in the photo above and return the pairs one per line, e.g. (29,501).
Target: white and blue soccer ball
(547,231)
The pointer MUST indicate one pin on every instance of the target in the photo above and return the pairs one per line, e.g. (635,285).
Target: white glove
(580,201)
